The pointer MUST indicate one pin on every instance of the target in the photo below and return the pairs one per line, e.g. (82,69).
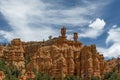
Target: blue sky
(96,21)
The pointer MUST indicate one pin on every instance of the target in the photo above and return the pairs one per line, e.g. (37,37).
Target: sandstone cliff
(58,57)
(62,57)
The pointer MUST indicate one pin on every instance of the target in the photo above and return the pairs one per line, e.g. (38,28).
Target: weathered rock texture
(1,51)
(15,54)
(58,57)
(69,60)
(110,64)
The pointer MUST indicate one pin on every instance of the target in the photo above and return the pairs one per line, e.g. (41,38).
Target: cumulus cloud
(112,51)
(31,19)
(114,38)
(98,24)
(113,35)
(95,29)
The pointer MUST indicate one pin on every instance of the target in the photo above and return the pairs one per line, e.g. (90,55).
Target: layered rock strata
(57,57)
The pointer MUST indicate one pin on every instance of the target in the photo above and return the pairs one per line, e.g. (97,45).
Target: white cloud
(114,37)
(6,35)
(24,15)
(20,14)
(98,24)
(112,51)
(95,29)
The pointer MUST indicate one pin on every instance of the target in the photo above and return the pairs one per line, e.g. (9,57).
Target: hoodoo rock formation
(61,57)
(1,51)
(57,57)
(15,54)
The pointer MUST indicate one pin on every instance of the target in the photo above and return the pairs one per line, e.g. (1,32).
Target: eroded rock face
(15,54)
(110,64)
(58,57)
(61,57)
(1,51)
(69,60)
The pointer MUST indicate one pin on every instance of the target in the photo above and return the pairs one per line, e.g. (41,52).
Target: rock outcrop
(15,54)
(65,58)
(110,64)
(57,57)
(1,51)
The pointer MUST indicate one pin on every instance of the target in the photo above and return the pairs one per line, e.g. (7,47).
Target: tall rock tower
(15,54)
(63,33)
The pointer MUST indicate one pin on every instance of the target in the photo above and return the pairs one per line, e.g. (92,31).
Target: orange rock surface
(15,54)
(62,57)
(58,57)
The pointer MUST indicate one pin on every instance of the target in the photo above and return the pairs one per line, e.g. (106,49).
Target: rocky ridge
(57,57)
